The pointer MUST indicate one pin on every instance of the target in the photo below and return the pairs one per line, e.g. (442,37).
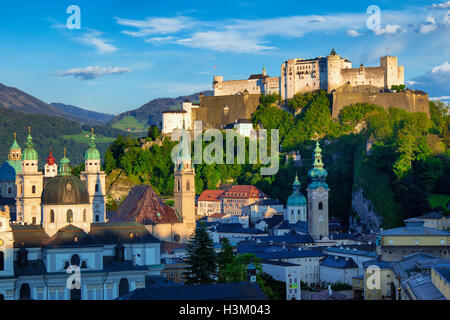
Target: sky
(126,53)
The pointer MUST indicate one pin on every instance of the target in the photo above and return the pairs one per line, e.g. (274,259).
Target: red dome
(50,159)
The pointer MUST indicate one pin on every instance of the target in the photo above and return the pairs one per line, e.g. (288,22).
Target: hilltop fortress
(238,99)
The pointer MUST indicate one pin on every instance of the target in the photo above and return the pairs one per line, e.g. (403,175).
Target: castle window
(320,205)
(75,260)
(52,216)
(179,185)
(69,216)
(25,292)
(2,261)
(97,188)
(84,215)
(9,190)
(124,287)
(97,218)
(33,220)
(33,189)
(188,185)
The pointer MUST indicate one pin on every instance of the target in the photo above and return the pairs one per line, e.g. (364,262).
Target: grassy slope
(438,200)
(81,138)
(129,122)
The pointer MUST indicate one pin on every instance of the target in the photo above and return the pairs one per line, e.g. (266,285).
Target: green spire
(318,174)
(183,156)
(264,70)
(29,152)
(64,166)
(296,198)
(92,152)
(15,145)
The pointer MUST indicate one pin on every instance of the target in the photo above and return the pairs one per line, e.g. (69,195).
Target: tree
(224,258)
(153,132)
(201,262)
(415,202)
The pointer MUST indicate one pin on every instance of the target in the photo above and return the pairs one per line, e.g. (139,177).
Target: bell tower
(30,184)
(95,180)
(184,184)
(318,198)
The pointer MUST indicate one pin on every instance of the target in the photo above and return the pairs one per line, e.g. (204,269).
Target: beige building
(304,75)
(435,220)
(239,196)
(414,237)
(209,202)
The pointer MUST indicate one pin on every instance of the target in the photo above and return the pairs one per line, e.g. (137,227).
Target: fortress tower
(95,180)
(393,73)
(30,184)
(318,198)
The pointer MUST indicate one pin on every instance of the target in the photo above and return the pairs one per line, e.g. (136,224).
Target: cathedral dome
(51,159)
(63,190)
(30,153)
(296,200)
(92,153)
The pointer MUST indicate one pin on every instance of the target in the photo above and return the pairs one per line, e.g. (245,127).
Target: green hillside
(130,122)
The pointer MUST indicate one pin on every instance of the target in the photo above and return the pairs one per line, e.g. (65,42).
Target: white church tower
(95,180)
(30,184)
(50,168)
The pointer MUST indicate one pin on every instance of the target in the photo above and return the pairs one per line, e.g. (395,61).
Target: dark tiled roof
(237,228)
(288,239)
(288,254)
(339,262)
(29,236)
(124,232)
(110,265)
(376,262)
(33,268)
(279,263)
(144,206)
(267,202)
(170,247)
(71,236)
(273,221)
(431,215)
(301,226)
(219,291)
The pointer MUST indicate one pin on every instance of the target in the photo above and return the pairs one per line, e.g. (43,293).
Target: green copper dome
(15,145)
(64,166)
(296,199)
(318,174)
(92,153)
(30,153)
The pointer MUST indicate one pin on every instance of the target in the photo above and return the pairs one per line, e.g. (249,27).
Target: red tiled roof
(216,215)
(243,191)
(210,195)
(142,205)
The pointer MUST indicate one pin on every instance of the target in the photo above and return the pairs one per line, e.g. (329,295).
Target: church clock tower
(30,185)
(95,180)
(184,184)
(318,198)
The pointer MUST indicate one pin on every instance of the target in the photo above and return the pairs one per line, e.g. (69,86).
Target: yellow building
(397,243)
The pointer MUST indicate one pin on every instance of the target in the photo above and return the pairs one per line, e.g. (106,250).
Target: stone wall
(218,111)
(412,101)
(364,209)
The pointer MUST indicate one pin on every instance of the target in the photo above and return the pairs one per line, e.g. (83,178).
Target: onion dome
(15,145)
(13,166)
(296,199)
(30,153)
(92,153)
(64,190)
(50,159)
(318,174)
(64,166)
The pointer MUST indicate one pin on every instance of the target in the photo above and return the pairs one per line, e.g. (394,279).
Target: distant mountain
(17,100)
(150,113)
(82,113)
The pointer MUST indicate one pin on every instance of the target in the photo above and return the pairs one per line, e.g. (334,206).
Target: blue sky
(129,52)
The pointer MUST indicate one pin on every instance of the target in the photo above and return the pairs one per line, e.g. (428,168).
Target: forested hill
(87,115)
(49,131)
(150,113)
(406,173)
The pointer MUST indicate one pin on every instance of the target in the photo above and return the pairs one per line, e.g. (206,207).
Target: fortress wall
(363,76)
(214,114)
(234,86)
(409,101)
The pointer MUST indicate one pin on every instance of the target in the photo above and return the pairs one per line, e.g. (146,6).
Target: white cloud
(428,26)
(445,67)
(446,20)
(440,98)
(160,39)
(93,38)
(411,83)
(389,29)
(443,5)
(92,72)
(317,19)
(226,41)
(353,33)
(159,25)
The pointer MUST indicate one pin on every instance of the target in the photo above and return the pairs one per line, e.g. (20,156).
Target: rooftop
(210,195)
(243,192)
(338,262)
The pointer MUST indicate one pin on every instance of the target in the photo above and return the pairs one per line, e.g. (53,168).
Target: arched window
(124,287)
(75,260)
(52,216)
(9,190)
(33,189)
(2,261)
(179,185)
(188,185)
(97,188)
(69,216)
(25,292)
(320,205)
(84,215)
(75,294)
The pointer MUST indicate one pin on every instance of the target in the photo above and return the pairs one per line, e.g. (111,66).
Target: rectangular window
(442,242)
(416,242)
(391,241)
